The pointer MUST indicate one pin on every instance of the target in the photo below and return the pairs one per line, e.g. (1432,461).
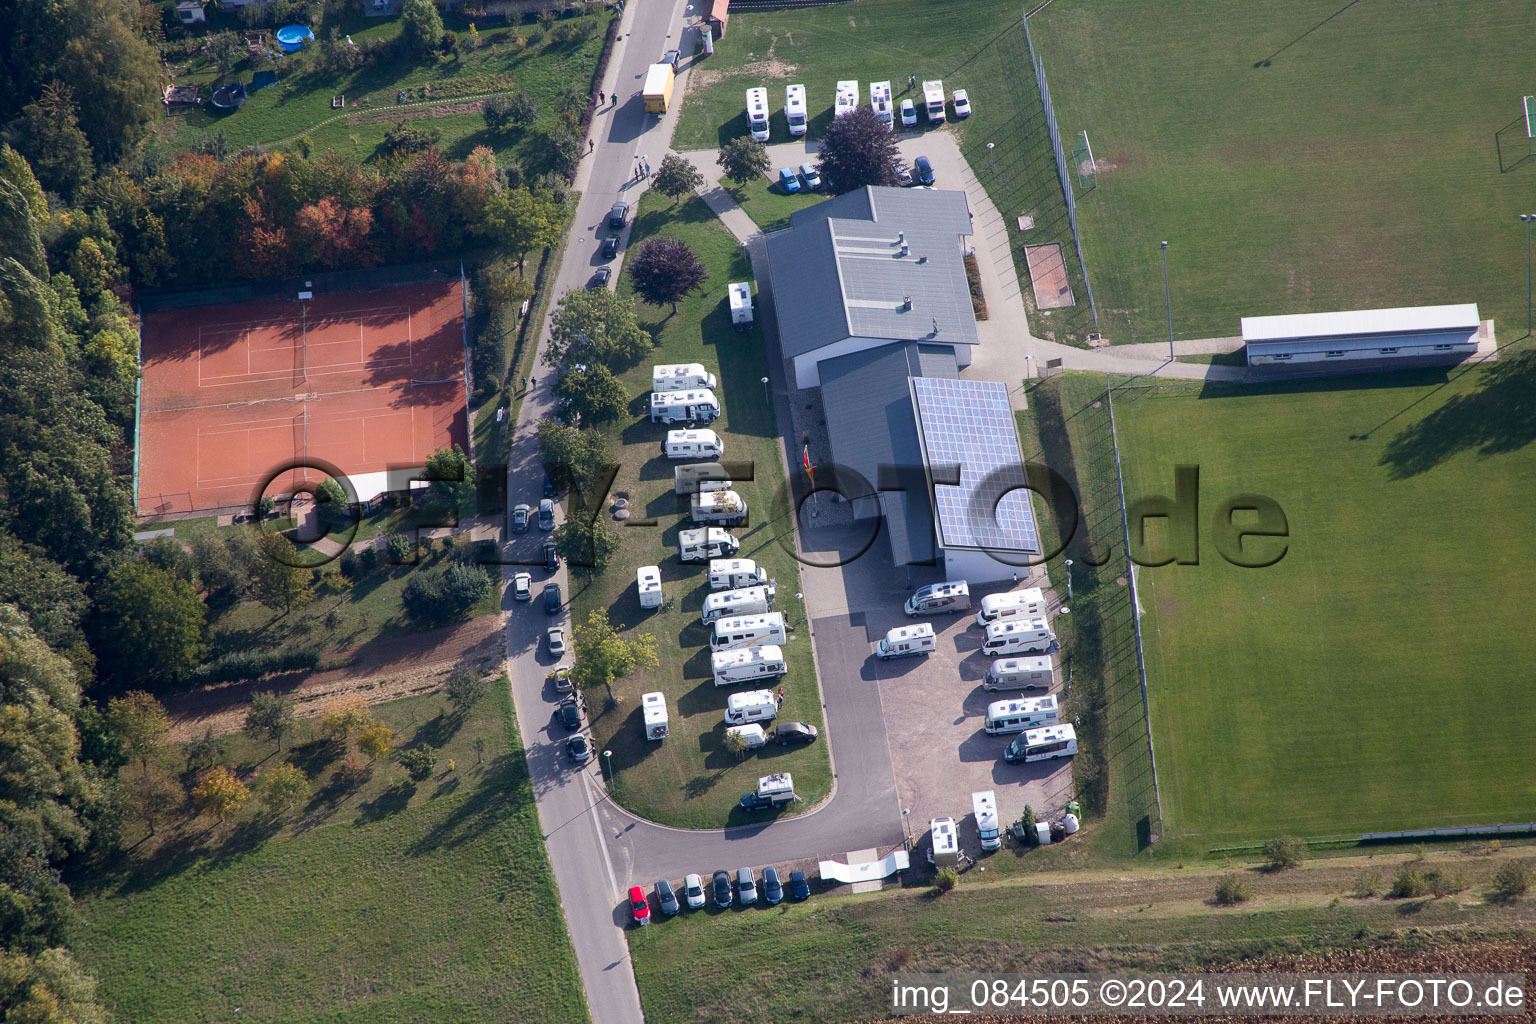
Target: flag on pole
(805,460)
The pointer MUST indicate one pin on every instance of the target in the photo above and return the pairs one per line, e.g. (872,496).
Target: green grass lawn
(768,205)
(373,905)
(1297,157)
(1377,677)
(689,779)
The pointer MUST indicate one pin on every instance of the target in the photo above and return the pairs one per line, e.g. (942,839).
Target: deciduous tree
(744,159)
(857,150)
(281,786)
(48,134)
(49,988)
(278,579)
(602,655)
(664,270)
(676,177)
(376,740)
(270,716)
(592,393)
(150,627)
(421,27)
(586,541)
(466,686)
(577,456)
(595,325)
(142,724)
(518,221)
(220,793)
(344,719)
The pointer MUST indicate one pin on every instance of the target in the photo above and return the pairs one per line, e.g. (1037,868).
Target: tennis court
(363,381)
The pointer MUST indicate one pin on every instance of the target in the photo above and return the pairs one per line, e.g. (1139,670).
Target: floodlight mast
(1167,300)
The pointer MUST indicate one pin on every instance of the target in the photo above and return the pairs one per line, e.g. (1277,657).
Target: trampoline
(229,97)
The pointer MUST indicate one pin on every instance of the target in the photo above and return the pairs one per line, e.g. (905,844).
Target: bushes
(446,593)
(237,665)
(1513,879)
(419,762)
(945,879)
(1232,890)
(1284,852)
(1410,883)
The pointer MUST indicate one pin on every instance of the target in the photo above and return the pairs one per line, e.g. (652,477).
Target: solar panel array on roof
(969,423)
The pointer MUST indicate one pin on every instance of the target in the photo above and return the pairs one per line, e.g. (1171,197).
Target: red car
(638,908)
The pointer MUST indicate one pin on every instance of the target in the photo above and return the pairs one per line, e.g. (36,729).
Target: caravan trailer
(954,596)
(984,804)
(794,109)
(1018,636)
(653,708)
(1020,714)
(945,852)
(733,573)
(740,293)
(648,584)
(847,98)
(692,444)
(681,377)
(757,113)
(1042,744)
(1011,605)
(706,544)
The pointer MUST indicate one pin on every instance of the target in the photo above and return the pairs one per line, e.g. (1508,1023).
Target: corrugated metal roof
(1414,343)
(1399,320)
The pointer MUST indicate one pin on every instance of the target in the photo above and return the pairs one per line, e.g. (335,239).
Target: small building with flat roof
(1429,333)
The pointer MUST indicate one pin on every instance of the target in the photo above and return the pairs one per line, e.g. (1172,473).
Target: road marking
(597,829)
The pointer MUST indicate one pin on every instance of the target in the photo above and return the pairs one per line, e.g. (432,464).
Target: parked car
(520,514)
(922,169)
(693,891)
(638,908)
(908,114)
(580,748)
(551,556)
(610,247)
(773,892)
(600,279)
(546,514)
(666,899)
(560,679)
(522,587)
(799,888)
(788,180)
(962,105)
(722,884)
(551,598)
(549,487)
(903,173)
(671,57)
(570,713)
(794,732)
(812,179)
(746,887)
(620,212)
(555,637)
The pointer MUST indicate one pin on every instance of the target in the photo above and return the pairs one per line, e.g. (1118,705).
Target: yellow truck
(658,87)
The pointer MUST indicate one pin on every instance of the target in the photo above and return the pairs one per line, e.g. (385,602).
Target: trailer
(741,302)
(653,708)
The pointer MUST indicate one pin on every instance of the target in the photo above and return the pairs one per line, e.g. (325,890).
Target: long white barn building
(1410,332)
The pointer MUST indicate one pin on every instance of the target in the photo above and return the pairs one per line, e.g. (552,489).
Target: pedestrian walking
(525,383)
(533,382)
(647,168)
(591,145)
(602,97)
(911,82)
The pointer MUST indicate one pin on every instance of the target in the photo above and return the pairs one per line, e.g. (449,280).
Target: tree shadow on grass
(1498,417)
(387,804)
(481,810)
(437,731)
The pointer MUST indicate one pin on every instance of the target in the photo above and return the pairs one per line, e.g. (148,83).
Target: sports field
(1298,156)
(1378,676)
(232,394)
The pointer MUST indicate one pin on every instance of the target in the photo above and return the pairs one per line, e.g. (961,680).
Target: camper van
(1033,673)
(733,573)
(740,631)
(684,406)
(774,790)
(752,736)
(648,583)
(933,101)
(904,641)
(984,804)
(692,444)
(1011,605)
(746,601)
(724,508)
(847,98)
(1021,713)
(740,293)
(945,852)
(1018,636)
(757,113)
(653,708)
(954,596)
(699,477)
(681,377)
(1042,744)
(880,103)
(794,109)
(703,545)
(750,706)
(748,665)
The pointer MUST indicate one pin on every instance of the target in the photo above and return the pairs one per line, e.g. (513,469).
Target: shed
(190,12)
(719,14)
(1409,332)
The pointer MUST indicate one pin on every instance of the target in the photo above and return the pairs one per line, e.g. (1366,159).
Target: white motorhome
(945,852)
(740,293)
(933,101)
(1021,713)
(740,631)
(1010,605)
(699,477)
(984,804)
(847,98)
(699,406)
(772,791)
(746,601)
(703,545)
(880,103)
(1032,673)
(726,508)
(681,377)
(648,584)
(752,736)
(757,113)
(733,573)
(794,109)
(750,706)
(692,444)
(1018,636)
(748,665)
(953,596)
(905,641)
(653,708)
(1042,744)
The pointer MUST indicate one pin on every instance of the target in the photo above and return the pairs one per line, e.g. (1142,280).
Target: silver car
(746,887)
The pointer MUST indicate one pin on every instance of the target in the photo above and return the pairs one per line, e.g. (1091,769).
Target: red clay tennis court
(364,381)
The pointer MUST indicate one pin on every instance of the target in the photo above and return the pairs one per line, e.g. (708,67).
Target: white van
(746,601)
(1033,673)
(732,573)
(984,804)
(1010,605)
(953,596)
(700,406)
(648,583)
(757,113)
(698,477)
(681,377)
(751,664)
(1018,636)
(794,109)
(1042,744)
(653,708)
(723,507)
(752,736)
(692,444)
(751,706)
(945,852)
(847,98)
(702,545)
(880,103)
(740,631)
(933,101)
(907,640)
(1021,713)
